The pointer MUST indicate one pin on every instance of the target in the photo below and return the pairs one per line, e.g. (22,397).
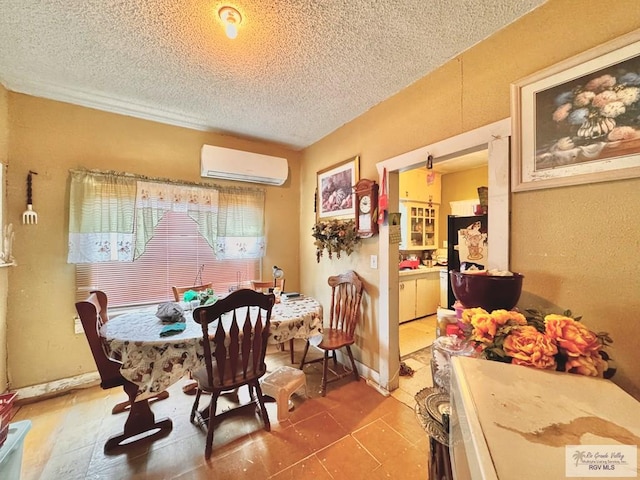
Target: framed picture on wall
(336,198)
(579,121)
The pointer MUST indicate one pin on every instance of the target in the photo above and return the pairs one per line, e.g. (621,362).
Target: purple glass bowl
(487,291)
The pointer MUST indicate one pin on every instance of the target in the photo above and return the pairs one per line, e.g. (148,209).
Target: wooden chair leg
(304,355)
(353,363)
(263,409)
(196,404)
(211,425)
(325,368)
(291,348)
(335,359)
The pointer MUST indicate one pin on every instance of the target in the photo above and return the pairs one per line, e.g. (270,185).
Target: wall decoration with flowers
(577,121)
(335,230)
(335,236)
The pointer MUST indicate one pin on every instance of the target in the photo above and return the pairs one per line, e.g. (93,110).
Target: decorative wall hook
(429,162)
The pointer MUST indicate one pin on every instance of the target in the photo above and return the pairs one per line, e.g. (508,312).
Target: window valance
(112,216)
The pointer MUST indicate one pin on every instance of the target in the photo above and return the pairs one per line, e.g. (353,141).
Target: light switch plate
(374,261)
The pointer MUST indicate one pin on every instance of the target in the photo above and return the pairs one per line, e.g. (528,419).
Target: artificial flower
(551,342)
(570,335)
(335,236)
(527,346)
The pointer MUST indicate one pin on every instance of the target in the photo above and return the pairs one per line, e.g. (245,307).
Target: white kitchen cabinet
(407,301)
(419,226)
(420,185)
(427,294)
(419,296)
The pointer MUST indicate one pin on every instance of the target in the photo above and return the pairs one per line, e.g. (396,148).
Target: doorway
(453,185)
(494,138)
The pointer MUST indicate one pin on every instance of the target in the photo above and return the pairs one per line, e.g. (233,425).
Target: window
(176,255)
(135,238)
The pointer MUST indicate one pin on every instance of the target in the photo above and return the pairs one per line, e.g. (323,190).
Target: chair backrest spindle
(346,298)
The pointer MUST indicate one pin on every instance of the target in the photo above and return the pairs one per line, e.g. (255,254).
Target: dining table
(154,362)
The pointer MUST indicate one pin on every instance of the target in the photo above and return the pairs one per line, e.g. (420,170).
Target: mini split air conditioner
(230,164)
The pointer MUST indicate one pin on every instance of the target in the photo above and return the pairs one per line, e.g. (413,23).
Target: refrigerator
(467,245)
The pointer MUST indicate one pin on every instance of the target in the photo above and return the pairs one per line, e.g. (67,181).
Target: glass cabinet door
(430,227)
(419,226)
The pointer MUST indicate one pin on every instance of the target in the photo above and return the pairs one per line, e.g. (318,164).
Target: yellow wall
(4,272)
(576,246)
(4,124)
(52,137)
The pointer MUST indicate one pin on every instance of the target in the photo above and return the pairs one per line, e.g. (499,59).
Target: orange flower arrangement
(552,342)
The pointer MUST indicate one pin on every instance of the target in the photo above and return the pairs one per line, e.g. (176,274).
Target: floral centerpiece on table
(335,236)
(204,297)
(551,342)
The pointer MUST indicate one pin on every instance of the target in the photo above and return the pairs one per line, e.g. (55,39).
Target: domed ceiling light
(231,18)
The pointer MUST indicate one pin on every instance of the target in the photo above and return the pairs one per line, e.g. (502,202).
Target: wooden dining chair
(178,292)
(264,287)
(344,316)
(93,314)
(234,353)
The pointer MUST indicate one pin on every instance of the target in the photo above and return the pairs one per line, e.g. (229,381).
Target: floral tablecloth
(300,318)
(154,363)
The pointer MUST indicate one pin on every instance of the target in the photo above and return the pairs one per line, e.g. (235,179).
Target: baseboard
(58,386)
(378,388)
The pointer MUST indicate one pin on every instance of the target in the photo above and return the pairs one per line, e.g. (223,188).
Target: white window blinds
(135,239)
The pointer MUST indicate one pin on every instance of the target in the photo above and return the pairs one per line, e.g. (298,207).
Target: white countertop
(421,270)
(511,421)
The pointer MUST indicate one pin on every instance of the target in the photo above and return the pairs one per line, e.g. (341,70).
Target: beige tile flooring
(414,336)
(354,432)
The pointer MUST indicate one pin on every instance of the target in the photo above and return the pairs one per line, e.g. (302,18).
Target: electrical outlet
(374,261)
(77,325)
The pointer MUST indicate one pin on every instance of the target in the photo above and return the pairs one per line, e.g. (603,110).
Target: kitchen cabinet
(419,296)
(407,301)
(419,226)
(420,185)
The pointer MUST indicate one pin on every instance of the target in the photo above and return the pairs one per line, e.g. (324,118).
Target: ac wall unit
(230,164)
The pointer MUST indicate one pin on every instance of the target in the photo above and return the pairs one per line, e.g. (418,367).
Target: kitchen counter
(510,421)
(421,270)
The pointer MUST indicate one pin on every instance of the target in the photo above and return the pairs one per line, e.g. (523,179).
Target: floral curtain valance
(154,199)
(240,224)
(101,217)
(113,216)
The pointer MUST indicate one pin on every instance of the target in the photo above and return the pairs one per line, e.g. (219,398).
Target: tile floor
(354,432)
(414,336)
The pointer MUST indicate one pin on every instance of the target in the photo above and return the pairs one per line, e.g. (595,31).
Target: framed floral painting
(579,121)
(335,189)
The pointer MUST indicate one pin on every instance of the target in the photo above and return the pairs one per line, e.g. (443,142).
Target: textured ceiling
(297,71)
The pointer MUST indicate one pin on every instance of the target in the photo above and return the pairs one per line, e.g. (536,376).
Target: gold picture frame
(336,198)
(577,121)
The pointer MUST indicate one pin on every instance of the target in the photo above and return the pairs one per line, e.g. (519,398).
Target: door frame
(495,137)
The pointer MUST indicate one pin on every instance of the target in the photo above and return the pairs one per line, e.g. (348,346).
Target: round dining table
(155,362)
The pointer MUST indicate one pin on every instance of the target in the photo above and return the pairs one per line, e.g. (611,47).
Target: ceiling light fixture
(231,18)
